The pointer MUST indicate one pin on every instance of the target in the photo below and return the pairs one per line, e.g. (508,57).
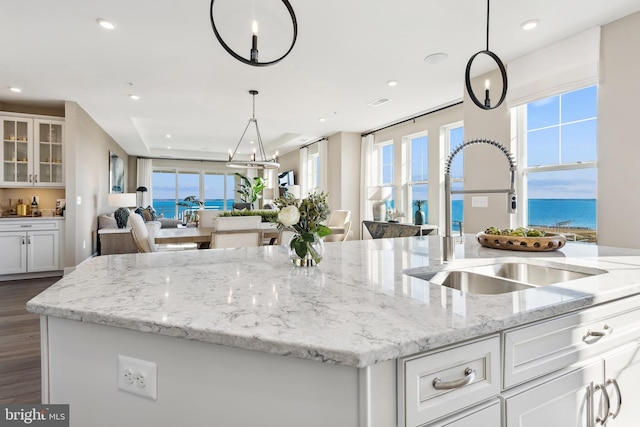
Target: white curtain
(323,154)
(366,179)
(302,175)
(564,66)
(144,179)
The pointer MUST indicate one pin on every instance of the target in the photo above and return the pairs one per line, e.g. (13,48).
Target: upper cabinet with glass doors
(32,152)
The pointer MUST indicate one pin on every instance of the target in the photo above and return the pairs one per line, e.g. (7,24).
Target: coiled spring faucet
(511,192)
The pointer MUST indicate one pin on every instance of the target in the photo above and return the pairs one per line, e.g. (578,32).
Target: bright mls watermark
(34,415)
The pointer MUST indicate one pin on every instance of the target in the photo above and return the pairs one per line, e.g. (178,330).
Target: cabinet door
(48,153)
(488,416)
(17,147)
(43,251)
(13,252)
(622,369)
(561,402)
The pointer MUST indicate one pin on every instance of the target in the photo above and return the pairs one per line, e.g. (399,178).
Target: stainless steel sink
(503,277)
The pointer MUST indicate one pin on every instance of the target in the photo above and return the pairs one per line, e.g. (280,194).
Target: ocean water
(573,213)
(578,213)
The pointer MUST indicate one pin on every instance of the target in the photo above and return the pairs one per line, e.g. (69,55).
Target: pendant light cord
(487,24)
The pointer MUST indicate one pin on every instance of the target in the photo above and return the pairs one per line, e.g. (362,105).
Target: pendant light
(253,52)
(486,105)
(253,163)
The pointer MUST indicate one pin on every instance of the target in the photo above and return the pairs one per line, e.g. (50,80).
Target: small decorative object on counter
(34,207)
(394,214)
(304,219)
(418,217)
(122,217)
(520,239)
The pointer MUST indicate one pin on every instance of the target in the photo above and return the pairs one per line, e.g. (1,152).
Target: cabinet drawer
(434,385)
(541,348)
(13,225)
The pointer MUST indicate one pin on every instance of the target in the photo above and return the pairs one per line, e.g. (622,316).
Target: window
(170,186)
(313,171)
(454,136)
(418,173)
(385,178)
(558,157)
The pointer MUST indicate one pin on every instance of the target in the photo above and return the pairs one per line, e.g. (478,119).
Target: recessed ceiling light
(322,119)
(167,136)
(392,83)
(251,142)
(436,58)
(15,89)
(529,25)
(169,148)
(105,24)
(134,97)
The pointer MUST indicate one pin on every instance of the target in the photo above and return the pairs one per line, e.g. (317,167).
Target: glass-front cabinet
(32,151)
(49,154)
(17,142)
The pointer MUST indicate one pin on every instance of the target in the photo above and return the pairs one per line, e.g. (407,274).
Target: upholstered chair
(237,232)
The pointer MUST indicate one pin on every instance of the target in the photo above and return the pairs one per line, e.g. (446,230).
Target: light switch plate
(479,202)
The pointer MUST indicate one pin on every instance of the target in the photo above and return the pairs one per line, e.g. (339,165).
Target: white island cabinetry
(30,246)
(256,341)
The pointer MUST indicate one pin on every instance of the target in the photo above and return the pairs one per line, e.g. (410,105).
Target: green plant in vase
(250,190)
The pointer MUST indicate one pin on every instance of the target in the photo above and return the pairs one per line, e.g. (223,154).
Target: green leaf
(299,246)
(323,230)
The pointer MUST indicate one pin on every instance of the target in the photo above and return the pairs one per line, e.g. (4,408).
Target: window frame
(408,140)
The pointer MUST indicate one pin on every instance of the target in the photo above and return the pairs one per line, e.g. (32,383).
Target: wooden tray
(550,242)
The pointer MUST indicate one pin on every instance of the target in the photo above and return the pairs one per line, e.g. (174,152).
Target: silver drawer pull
(469,376)
(606,331)
(615,385)
(607,405)
(25,225)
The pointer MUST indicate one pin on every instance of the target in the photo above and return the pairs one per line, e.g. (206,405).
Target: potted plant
(418,217)
(250,190)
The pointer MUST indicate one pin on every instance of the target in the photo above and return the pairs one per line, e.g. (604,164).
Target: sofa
(120,241)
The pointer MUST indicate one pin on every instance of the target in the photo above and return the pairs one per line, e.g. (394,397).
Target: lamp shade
(122,199)
(379,193)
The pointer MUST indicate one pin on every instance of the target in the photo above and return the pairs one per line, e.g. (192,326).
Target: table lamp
(379,196)
(124,201)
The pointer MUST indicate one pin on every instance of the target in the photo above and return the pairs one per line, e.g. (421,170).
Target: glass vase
(310,249)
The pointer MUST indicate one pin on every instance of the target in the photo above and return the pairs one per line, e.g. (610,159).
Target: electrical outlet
(479,202)
(139,377)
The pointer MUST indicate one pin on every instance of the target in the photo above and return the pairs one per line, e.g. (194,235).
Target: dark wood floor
(20,341)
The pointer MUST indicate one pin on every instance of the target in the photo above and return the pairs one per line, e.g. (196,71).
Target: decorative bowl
(550,242)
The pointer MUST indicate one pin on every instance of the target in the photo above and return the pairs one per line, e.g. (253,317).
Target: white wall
(87,177)
(618,134)
(485,167)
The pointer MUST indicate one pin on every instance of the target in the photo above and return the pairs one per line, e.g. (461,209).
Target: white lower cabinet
(487,415)
(29,246)
(622,379)
(560,402)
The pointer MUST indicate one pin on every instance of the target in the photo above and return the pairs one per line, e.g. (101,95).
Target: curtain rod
(324,138)
(412,118)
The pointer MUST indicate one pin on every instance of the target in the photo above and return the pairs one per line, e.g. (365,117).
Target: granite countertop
(357,308)
(29,218)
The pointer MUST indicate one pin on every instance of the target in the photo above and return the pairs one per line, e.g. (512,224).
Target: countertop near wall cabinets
(357,308)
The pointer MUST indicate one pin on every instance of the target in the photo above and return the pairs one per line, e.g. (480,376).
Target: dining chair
(140,234)
(237,232)
(339,221)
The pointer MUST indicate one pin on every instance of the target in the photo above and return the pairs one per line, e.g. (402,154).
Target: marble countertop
(357,308)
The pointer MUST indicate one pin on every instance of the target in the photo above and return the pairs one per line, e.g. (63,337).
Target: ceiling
(190,88)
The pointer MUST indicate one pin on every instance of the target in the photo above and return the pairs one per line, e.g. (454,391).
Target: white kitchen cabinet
(622,374)
(29,246)
(561,402)
(486,415)
(32,151)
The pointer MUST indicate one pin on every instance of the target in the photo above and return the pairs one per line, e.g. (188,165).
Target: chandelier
(253,163)
(253,53)
(467,79)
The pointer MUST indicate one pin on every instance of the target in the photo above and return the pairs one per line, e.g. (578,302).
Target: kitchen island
(241,337)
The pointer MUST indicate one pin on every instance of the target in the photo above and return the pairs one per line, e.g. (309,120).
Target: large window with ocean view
(454,136)
(170,188)
(558,153)
(418,181)
(385,168)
